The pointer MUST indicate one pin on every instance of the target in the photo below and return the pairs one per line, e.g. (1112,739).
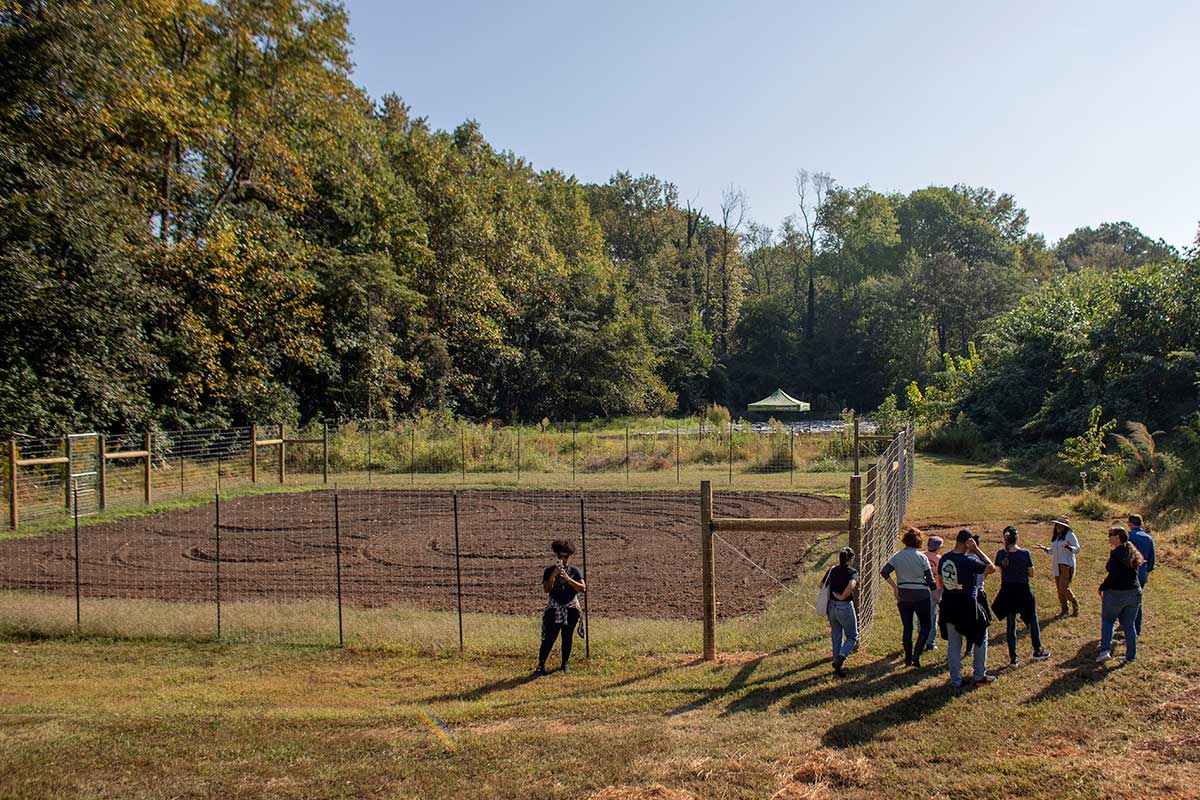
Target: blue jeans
(842,621)
(1035,633)
(954,648)
(1137,623)
(933,615)
(1123,605)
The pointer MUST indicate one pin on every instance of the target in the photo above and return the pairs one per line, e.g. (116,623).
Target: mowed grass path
(164,719)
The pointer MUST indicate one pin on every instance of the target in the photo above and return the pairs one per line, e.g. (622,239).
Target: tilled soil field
(398,548)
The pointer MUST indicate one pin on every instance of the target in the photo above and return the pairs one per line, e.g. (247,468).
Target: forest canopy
(203,221)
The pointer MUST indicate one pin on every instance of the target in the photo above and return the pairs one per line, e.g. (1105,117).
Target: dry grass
(89,716)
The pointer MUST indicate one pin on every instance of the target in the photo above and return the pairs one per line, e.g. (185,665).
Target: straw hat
(1064,521)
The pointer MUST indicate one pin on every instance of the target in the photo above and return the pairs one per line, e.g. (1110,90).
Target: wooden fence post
(708,564)
(67,474)
(254,454)
(13,513)
(147,441)
(282,451)
(856,450)
(856,507)
(102,469)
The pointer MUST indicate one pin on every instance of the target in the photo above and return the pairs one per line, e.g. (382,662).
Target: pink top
(934,560)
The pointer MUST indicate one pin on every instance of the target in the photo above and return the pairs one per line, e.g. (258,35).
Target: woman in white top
(1063,547)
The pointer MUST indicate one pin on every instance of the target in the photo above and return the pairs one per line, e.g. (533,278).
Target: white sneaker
(1104,656)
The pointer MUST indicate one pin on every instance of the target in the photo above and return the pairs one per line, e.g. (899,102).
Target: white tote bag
(823,595)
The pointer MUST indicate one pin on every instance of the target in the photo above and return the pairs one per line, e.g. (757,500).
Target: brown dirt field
(397,547)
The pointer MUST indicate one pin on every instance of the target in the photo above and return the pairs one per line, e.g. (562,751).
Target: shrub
(1091,506)
(961,437)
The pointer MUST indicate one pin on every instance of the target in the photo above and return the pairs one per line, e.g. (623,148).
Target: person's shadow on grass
(1078,672)
(909,708)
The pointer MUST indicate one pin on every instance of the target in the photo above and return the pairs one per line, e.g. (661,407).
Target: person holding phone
(962,620)
(562,584)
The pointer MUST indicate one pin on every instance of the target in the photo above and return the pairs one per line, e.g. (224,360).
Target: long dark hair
(1128,553)
(845,555)
(1055,535)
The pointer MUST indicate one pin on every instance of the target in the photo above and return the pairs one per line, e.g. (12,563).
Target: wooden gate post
(282,452)
(856,508)
(102,469)
(149,455)
(708,564)
(13,514)
(254,454)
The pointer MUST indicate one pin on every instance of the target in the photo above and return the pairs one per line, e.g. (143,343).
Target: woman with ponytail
(843,622)
(1120,594)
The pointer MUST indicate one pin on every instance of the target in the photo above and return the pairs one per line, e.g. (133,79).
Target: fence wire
(190,464)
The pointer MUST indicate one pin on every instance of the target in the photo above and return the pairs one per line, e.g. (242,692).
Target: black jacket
(965,613)
(1014,597)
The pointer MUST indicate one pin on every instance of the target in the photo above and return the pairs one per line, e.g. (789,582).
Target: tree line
(203,222)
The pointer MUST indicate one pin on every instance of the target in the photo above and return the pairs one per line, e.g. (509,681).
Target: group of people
(935,593)
(946,593)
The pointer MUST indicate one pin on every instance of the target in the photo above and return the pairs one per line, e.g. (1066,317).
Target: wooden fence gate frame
(859,517)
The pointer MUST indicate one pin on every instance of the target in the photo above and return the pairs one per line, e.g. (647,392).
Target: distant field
(153,718)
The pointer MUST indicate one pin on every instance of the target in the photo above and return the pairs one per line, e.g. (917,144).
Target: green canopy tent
(779,402)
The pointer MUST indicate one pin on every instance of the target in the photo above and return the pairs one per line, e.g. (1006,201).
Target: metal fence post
(13,513)
(253,454)
(67,483)
(102,469)
(574,446)
(708,568)
(731,451)
(412,454)
(337,549)
(217,531)
(463,435)
(677,457)
(325,451)
(458,573)
(282,452)
(75,489)
(518,454)
(627,452)
(149,443)
(587,622)
(791,456)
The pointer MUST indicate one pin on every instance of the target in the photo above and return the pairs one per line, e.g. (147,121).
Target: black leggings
(550,632)
(921,610)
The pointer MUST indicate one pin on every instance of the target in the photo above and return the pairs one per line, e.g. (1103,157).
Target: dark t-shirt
(959,572)
(562,592)
(1014,566)
(839,579)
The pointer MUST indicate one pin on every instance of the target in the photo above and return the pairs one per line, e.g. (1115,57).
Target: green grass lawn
(160,718)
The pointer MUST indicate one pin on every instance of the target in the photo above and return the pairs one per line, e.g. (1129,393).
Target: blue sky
(1086,112)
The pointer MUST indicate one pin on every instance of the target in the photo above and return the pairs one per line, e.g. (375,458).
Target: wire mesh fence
(131,470)
(871,525)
